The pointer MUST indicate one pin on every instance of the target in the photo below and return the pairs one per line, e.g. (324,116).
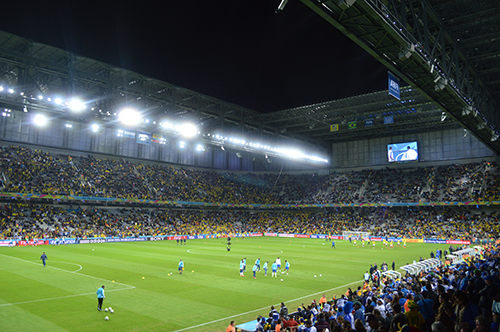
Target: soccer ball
(106,309)
(106,318)
(112,311)
(314,276)
(281,279)
(320,275)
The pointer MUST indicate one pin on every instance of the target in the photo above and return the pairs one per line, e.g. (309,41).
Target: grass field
(210,293)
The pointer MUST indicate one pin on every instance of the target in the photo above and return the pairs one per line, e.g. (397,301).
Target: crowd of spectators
(25,170)
(30,221)
(456,298)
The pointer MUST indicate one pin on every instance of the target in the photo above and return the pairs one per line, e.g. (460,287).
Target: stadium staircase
(5,181)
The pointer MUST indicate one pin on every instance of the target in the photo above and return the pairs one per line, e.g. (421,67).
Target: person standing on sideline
(43,258)
(231,327)
(265,269)
(100,297)
(181,266)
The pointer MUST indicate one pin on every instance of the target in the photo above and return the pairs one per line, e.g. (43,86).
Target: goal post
(355,235)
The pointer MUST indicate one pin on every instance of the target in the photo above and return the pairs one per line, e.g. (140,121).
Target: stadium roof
(454,70)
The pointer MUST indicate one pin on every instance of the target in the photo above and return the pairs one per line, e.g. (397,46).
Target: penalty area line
(73,272)
(264,308)
(60,297)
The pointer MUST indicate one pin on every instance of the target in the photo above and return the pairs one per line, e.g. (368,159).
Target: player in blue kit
(265,269)
(254,270)
(333,243)
(257,262)
(43,258)
(242,266)
(181,266)
(274,269)
(287,266)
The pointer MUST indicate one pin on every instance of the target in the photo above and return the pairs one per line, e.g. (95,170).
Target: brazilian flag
(352,125)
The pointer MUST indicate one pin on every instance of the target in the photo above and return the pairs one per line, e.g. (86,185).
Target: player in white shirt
(278,263)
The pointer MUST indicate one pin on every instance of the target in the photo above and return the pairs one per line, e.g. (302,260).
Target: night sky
(237,51)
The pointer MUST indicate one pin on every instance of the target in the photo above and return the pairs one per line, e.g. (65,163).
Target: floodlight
(95,127)
(1,88)
(40,120)
(187,130)
(40,97)
(11,90)
(68,125)
(182,144)
(129,116)
(58,101)
(167,125)
(76,105)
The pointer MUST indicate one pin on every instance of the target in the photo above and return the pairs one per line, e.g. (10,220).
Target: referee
(100,297)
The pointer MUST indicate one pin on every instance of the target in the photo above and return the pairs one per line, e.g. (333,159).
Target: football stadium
(128,203)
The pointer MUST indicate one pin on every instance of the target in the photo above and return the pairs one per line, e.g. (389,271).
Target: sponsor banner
(285,235)
(143,138)
(376,238)
(457,242)
(271,234)
(191,237)
(32,243)
(394,86)
(157,238)
(435,241)
(7,243)
(302,235)
(255,234)
(369,122)
(126,239)
(388,119)
(415,240)
(337,237)
(95,240)
(177,237)
(63,241)
(318,236)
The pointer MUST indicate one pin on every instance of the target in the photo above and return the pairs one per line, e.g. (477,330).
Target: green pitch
(144,297)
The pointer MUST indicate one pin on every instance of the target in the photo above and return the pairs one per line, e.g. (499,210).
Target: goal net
(355,235)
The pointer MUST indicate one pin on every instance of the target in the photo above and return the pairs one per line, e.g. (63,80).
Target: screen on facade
(401,152)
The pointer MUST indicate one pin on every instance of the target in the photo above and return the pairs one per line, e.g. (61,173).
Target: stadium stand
(463,296)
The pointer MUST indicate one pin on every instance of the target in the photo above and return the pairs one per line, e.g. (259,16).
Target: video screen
(401,152)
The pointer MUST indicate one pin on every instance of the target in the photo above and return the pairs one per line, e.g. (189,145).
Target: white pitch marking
(74,272)
(61,297)
(264,308)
